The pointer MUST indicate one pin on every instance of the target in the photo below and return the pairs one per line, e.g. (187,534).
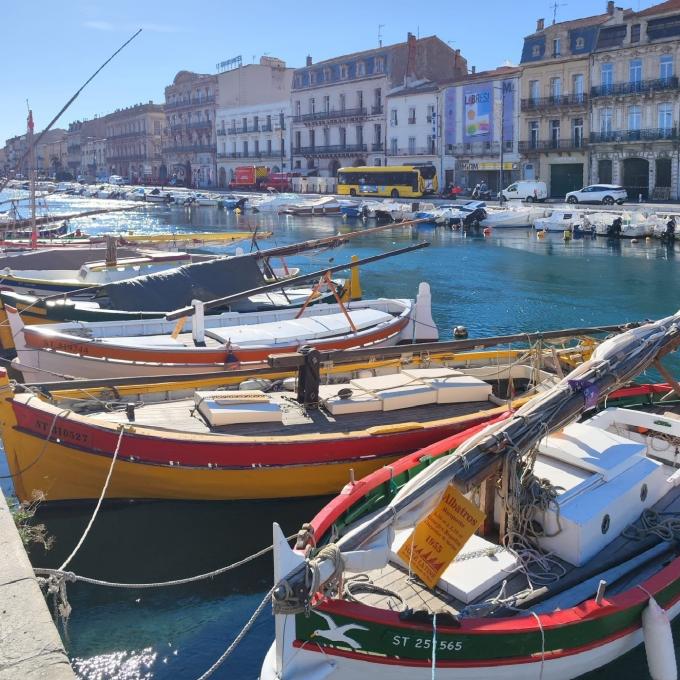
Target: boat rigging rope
(13,475)
(249,624)
(652,524)
(99,502)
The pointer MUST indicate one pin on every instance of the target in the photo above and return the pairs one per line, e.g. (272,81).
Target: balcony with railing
(240,130)
(476,149)
(200,124)
(133,158)
(644,135)
(377,146)
(185,103)
(635,87)
(331,149)
(190,148)
(376,109)
(551,145)
(251,154)
(554,102)
(413,151)
(323,116)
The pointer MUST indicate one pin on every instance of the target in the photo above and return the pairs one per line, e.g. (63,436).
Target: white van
(528,190)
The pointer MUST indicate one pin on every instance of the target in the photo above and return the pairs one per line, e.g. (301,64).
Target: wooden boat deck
(182,415)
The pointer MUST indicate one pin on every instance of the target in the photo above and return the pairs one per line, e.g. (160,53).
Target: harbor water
(507,282)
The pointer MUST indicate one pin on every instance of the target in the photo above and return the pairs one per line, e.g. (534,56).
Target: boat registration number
(404,641)
(58,432)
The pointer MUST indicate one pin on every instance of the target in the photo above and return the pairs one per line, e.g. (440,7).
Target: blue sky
(51,48)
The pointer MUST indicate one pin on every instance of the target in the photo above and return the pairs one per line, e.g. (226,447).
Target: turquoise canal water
(508,282)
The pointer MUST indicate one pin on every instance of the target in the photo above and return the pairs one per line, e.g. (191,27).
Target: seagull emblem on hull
(337,633)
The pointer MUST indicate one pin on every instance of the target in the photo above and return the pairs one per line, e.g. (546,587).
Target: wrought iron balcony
(413,151)
(251,154)
(199,124)
(190,148)
(376,109)
(637,87)
(645,135)
(239,130)
(320,116)
(134,158)
(476,149)
(329,149)
(266,127)
(196,101)
(558,101)
(377,146)
(548,145)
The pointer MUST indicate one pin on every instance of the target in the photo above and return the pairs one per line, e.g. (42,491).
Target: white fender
(198,331)
(424,327)
(656,628)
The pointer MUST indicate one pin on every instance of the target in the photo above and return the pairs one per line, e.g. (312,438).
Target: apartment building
(51,153)
(133,142)
(635,101)
(189,149)
(339,105)
(93,153)
(480,117)
(253,117)
(78,132)
(554,111)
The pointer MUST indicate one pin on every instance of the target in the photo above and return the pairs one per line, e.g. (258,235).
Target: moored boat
(587,515)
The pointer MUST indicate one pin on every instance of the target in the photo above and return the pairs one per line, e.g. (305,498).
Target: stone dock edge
(30,646)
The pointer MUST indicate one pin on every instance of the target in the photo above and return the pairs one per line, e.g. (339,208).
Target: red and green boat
(347,606)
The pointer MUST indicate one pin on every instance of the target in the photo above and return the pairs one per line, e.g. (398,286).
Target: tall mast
(32,161)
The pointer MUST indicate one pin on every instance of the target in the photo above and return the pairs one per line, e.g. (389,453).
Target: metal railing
(329,115)
(557,101)
(413,151)
(377,146)
(636,87)
(199,124)
(551,145)
(332,148)
(191,148)
(647,134)
(251,154)
(195,101)
(376,109)
(476,149)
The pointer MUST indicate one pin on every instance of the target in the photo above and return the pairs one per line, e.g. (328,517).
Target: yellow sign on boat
(441,536)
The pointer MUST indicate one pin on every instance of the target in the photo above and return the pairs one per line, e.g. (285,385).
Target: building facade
(481,119)
(339,105)
(413,129)
(253,118)
(51,153)
(15,148)
(635,100)
(134,142)
(189,148)
(94,164)
(554,121)
(78,133)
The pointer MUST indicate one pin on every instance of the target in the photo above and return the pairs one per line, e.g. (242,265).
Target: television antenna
(380,28)
(555,6)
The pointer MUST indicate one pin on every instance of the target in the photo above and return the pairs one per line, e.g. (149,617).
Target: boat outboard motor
(615,228)
(670,230)
(474,218)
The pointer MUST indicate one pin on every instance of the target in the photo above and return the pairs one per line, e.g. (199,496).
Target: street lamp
(502,88)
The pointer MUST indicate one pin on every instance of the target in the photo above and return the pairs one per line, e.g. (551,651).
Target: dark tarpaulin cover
(175,288)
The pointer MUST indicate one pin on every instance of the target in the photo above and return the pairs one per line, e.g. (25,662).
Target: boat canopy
(175,288)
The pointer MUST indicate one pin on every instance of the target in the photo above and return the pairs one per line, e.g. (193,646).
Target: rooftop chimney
(410,58)
(610,7)
(540,25)
(309,60)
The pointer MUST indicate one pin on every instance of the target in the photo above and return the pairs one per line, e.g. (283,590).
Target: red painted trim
(237,453)
(40,337)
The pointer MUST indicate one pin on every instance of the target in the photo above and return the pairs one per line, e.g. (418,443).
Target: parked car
(607,194)
(116,179)
(528,190)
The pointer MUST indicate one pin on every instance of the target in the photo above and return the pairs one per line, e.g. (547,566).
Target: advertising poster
(477,111)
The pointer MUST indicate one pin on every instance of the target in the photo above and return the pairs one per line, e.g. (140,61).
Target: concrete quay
(30,646)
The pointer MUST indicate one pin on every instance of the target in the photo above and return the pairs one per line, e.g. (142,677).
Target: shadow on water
(169,632)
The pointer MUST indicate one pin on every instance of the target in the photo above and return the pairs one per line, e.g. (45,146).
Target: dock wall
(30,646)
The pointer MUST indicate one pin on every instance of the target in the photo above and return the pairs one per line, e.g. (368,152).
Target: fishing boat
(511,217)
(563,220)
(325,205)
(622,225)
(273,433)
(575,558)
(67,270)
(463,215)
(201,344)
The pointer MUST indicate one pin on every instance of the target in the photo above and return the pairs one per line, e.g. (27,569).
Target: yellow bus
(407,181)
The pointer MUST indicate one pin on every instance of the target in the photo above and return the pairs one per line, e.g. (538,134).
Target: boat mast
(32,161)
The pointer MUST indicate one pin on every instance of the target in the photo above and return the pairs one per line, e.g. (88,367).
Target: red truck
(249,177)
(281,181)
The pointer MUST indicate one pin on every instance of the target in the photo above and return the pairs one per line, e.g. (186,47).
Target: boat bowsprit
(390,579)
